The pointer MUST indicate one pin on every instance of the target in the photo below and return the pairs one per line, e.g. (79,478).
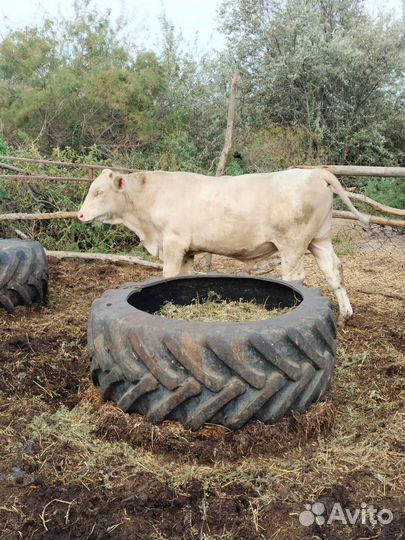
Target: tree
(75,83)
(317,65)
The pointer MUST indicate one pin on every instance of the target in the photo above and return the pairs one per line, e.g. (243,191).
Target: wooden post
(206,261)
(229,125)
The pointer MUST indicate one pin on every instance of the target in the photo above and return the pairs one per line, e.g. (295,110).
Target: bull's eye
(98,192)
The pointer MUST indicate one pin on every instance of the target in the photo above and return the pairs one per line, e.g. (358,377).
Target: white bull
(177,215)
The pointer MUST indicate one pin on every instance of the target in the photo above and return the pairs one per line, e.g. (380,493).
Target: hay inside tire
(197,372)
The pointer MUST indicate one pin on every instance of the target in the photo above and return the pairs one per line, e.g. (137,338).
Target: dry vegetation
(217,309)
(74,467)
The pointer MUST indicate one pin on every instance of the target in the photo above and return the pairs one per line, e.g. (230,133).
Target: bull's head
(105,200)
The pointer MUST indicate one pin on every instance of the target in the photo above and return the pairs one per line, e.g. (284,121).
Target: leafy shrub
(388,191)
(271,149)
(234,168)
(53,196)
(3,147)
(175,152)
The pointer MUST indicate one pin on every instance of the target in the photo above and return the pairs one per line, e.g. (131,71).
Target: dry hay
(72,466)
(214,308)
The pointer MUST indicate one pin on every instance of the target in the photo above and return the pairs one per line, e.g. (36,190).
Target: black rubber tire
(197,372)
(23,273)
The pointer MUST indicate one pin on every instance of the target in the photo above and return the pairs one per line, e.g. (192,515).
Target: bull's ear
(119,183)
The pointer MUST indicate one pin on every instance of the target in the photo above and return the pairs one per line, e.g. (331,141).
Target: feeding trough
(221,372)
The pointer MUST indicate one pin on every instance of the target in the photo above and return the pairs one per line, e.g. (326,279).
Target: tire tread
(23,273)
(224,377)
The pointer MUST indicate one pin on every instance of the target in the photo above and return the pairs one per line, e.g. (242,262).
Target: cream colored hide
(177,215)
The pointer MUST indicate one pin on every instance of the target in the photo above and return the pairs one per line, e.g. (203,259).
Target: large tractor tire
(23,273)
(197,372)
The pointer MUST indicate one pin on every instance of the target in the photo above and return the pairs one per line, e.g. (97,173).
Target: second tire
(23,273)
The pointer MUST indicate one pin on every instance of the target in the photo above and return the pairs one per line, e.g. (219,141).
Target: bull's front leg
(173,254)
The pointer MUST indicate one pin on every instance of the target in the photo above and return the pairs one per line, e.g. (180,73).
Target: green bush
(234,168)
(271,149)
(3,147)
(175,152)
(388,191)
(53,196)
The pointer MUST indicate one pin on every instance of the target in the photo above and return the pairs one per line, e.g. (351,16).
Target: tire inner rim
(183,291)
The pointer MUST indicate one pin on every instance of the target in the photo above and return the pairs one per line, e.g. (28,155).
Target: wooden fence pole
(206,261)
(229,125)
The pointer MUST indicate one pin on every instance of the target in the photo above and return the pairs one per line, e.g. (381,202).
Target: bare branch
(373,219)
(18,233)
(376,204)
(103,257)
(11,168)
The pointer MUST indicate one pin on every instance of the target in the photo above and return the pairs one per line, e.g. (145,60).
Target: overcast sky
(190,16)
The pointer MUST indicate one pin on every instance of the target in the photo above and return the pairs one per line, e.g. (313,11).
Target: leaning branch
(12,168)
(373,219)
(375,204)
(103,257)
(18,233)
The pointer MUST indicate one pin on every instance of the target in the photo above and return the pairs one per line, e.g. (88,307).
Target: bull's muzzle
(83,218)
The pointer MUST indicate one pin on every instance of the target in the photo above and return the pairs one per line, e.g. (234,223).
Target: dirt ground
(73,467)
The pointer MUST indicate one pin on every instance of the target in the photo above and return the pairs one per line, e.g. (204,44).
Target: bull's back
(241,213)
(273,197)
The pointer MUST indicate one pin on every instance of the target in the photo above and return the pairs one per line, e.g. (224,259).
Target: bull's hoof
(343,320)
(197,372)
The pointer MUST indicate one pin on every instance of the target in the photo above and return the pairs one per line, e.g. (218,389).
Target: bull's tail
(338,189)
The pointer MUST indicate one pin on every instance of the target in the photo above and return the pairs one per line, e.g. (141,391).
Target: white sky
(191,17)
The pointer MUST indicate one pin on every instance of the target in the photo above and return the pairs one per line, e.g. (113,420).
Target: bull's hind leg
(331,267)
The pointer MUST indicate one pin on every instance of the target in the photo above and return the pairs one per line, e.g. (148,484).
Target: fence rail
(36,177)
(378,220)
(22,175)
(379,242)
(340,170)
(358,170)
(67,164)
